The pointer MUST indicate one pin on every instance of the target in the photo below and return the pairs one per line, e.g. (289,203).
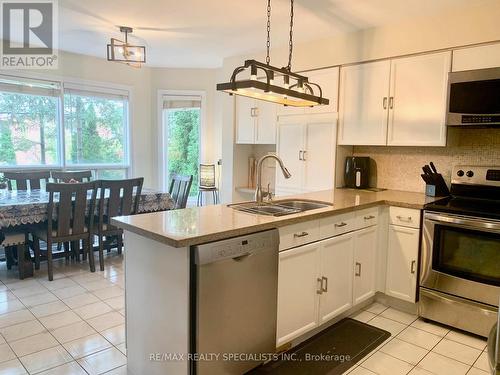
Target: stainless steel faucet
(259,195)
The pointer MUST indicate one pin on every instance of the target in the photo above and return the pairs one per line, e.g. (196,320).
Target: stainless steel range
(460,261)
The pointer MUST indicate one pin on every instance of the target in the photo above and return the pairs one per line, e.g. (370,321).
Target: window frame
(90,87)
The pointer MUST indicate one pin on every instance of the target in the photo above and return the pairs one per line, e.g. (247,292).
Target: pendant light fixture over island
(293,89)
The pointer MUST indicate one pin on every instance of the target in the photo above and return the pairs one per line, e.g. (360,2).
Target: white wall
(454,27)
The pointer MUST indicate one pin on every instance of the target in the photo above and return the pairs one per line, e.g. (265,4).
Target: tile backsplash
(400,167)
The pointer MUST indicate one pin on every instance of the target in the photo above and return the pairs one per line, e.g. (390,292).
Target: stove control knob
(470,173)
(460,173)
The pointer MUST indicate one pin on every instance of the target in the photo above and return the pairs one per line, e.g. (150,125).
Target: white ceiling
(201,33)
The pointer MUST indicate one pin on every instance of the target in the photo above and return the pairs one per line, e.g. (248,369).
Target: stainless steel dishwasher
(234,303)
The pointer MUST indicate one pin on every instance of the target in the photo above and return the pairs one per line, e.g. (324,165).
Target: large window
(91,133)
(28,123)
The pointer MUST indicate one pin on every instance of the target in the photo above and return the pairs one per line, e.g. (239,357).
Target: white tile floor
(72,325)
(417,347)
(75,325)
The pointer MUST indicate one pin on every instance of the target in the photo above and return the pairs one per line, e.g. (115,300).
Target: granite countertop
(197,225)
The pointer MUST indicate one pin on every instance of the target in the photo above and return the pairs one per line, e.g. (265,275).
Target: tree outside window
(28,129)
(183,151)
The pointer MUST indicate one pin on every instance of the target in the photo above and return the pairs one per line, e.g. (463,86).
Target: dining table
(19,208)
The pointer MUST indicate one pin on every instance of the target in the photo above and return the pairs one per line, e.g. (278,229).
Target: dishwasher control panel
(236,247)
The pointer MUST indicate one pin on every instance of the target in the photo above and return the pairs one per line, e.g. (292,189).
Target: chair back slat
(127,197)
(64,208)
(114,202)
(28,180)
(67,176)
(179,189)
(79,212)
(118,198)
(74,208)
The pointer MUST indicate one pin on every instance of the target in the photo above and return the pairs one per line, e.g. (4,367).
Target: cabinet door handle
(358,269)
(298,235)
(300,155)
(304,155)
(324,288)
(412,268)
(320,286)
(391,102)
(342,224)
(402,218)
(252,112)
(384,102)
(369,217)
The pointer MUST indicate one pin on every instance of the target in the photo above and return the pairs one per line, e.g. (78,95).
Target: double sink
(279,208)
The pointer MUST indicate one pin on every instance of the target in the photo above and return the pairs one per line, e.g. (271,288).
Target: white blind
(20,85)
(181,101)
(95,91)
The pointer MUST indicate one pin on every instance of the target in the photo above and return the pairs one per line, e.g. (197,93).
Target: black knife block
(438,188)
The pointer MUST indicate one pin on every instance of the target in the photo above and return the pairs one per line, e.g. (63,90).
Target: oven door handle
(475,223)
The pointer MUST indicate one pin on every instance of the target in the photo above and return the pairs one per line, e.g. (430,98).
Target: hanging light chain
(289,67)
(268,45)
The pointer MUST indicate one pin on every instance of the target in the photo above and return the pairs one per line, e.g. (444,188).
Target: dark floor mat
(331,352)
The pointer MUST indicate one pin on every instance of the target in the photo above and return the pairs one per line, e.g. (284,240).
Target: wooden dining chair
(180,186)
(67,176)
(70,212)
(26,180)
(116,198)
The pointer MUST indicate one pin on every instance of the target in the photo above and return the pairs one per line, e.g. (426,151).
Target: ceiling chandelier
(295,91)
(122,51)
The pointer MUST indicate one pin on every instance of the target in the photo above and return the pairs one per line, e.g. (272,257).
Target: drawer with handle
(366,218)
(406,217)
(299,234)
(335,225)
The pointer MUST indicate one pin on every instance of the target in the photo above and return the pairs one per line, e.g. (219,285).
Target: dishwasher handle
(242,257)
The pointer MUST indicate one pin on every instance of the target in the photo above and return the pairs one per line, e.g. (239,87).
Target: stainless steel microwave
(474,98)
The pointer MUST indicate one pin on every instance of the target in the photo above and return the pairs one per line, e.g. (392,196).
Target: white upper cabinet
(399,102)
(245,121)
(328,79)
(266,123)
(482,57)
(319,155)
(255,121)
(290,149)
(363,103)
(307,146)
(417,100)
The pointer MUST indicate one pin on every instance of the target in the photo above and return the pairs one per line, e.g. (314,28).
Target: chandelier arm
(319,88)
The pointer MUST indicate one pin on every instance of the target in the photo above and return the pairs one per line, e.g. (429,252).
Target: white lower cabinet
(365,263)
(316,281)
(297,292)
(402,256)
(336,259)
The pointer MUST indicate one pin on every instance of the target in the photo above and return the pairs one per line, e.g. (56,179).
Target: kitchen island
(159,258)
